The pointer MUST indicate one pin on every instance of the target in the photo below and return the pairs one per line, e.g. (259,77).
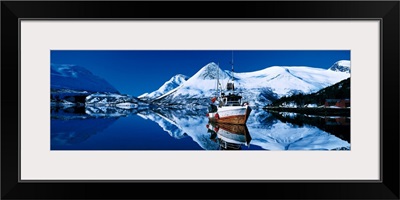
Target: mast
(231,85)
(217,79)
(232,74)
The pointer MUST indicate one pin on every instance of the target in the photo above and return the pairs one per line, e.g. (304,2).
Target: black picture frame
(386,11)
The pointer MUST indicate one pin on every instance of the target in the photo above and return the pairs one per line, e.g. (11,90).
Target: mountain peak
(210,66)
(341,66)
(68,76)
(178,78)
(175,81)
(68,70)
(210,71)
(171,84)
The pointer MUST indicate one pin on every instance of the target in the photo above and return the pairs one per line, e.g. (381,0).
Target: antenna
(232,73)
(230,85)
(232,61)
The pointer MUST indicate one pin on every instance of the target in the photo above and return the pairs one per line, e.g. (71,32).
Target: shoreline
(312,111)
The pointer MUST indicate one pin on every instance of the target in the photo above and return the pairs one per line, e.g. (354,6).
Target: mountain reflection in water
(187,129)
(336,125)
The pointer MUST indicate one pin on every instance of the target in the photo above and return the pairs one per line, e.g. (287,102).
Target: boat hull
(230,136)
(234,133)
(230,115)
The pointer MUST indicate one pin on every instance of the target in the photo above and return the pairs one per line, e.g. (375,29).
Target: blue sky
(136,72)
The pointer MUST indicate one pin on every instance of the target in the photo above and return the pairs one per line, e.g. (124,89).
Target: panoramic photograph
(196,100)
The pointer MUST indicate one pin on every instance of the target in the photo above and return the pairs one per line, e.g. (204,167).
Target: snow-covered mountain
(77,78)
(341,66)
(171,84)
(258,87)
(113,100)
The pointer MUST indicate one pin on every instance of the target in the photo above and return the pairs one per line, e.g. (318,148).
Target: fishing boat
(228,108)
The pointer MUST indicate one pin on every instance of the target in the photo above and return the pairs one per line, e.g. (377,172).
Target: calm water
(188,129)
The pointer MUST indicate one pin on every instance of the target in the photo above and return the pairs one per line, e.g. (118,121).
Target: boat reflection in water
(229,136)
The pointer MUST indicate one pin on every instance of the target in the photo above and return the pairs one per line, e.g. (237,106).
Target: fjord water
(188,129)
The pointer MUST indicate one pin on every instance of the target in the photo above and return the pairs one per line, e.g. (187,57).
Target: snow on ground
(126,105)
